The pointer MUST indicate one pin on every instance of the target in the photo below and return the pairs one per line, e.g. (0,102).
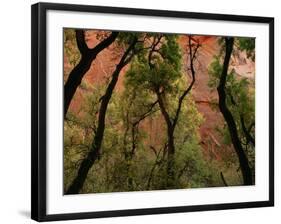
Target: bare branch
(157,162)
(147,113)
(191,59)
(223,179)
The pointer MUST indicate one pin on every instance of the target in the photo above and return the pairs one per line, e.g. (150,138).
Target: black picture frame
(39,122)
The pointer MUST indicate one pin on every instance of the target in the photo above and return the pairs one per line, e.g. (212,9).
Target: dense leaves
(154,106)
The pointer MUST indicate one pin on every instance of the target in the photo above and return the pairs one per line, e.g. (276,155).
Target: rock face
(204,97)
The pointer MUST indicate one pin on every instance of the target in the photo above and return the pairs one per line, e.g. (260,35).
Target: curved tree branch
(191,60)
(87,56)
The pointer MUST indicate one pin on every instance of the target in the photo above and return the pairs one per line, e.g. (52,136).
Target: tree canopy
(139,127)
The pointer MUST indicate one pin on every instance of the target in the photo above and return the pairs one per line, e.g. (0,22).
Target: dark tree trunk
(171,159)
(171,145)
(93,155)
(74,80)
(243,160)
(78,72)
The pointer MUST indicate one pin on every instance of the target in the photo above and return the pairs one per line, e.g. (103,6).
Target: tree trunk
(243,160)
(74,79)
(87,57)
(171,159)
(94,153)
(171,145)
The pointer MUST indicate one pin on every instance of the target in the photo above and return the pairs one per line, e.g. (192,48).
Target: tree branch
(80,40)
(153,46)
(191,59)
(87,57)
(163,109)
(153,168)
(223,179)
(247,131)
(147,113)
(105,42)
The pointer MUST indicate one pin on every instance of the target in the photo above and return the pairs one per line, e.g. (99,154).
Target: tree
(87,56)
(226,84)
(159,70)
(94,151)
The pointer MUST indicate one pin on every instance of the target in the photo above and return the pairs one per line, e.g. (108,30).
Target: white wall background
(15,111)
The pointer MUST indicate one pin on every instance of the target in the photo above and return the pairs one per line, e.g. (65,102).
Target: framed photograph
(140,111)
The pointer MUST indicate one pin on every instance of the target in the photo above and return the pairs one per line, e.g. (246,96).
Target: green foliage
(71,52)
(165,70)
(171,52)
(240,97)
(214,71)
(191,167)
(133,155)
(240,93)
(247,44)
(163,76)
(114,170)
